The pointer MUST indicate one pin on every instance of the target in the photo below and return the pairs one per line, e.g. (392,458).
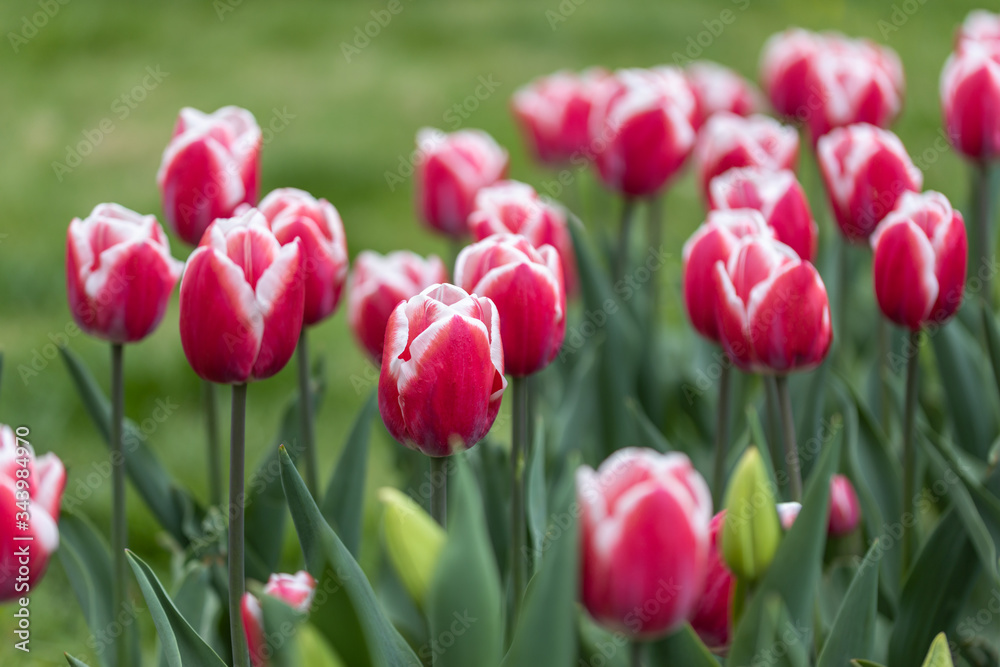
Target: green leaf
(465,598)
(853,631)
(535,492)
(345,610)
(181,644)
(865,663)
(777,631)
(599,646)
(281,623)
(198,603)
(992,342)
(74,662)
(649,435)
(682,647)
(491,464)
(572,425)
(343,502)
(939,655)
(546,632)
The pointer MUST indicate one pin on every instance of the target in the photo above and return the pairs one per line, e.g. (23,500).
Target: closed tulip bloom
(866,170)
(785,69)
(920,259)
(845,510)
(30,494)
(713,242)
(981,27)
(296,214)
(241,305)
(210,167)
(442,370)
(717,88)
(780,199)
(295,590)
(527,287)
(512,207)
(774,314)
(451,171)
(553,113)
(970,97)
(378,283)
(729,141)
(119,273)
(644,529)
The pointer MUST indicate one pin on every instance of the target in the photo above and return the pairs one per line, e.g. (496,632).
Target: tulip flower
(717,88)
(784,70)
(553,113)
(866,170)
(780,199)
(210,167)
(728,141)
(752,530)
(452,170)
(645,539)
(970,95)
(378,283)
(30,494)
(119,273)
(413,541)
(295,590)
(845,510)
(981,27)
(515,208)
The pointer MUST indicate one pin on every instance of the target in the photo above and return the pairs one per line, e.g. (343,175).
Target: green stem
(655,236)
(909,449)
(439,492)
(119,521)
(214,450)
(721,436)
(791,448)
(518,456)
(843,286)
(624,231)
(237,581)
(984,202)
(883,371)
(306,426)
(636,653)
(774,429)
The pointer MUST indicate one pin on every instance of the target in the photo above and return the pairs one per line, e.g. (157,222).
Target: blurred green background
(337,128)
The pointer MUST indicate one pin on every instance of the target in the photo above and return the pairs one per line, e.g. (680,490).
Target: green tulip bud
(751,532)
(413,541)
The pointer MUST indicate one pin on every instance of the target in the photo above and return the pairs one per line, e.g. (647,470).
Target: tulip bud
(717,89)
(296,214)
(779,198)
(645,538)
(981,27)
(378,283)
(788,513)
(35,483)
(728,141)
(970,97)
(452,169)
(526,286)
(920,259)
(751,532)
(119,273)
(241,303)
(845,510)
(210,167)
(413,541)
(295,590)
(784,70)
(442,370)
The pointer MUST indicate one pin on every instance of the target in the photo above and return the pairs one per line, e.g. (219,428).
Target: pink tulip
(644,530)
(845,510)
(866,169)
(784,70)
(728,141)
(527,287)
(442,370)
(295,590)
(119,273)
(981,27)
(920,259)
(30,494)
(779,198)
(713,242)
(378,283)
(717,88)
(452,170)
(296,214)
(774,314)
(210,167)
(970,96)
(242,298)
(515,208)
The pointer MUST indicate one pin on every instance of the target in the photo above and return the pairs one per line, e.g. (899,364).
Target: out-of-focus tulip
(442,370)
(713,242)
(413,541)
(920,260)
(751,531)
(210,167)
(378,283)
(780,199)
(788,513)
(774,314)
(729,141)
(515,208)
(845,509)
(553,113)
(645,536)
(981,27)
(644,128)
(295,214)
(119,273)
(866,169)
(241,303)
(452,169)
(717,88)
(295,590)
(784,70)
(970,97)
(527,287)
(30,494)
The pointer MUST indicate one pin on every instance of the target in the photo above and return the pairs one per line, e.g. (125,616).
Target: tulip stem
(119,522)
(636,653)
(791,448)
(237,583)
(721,436)
(909,449)
(214,450)
(655,237)
(518,456)
(439,492)
(621,259)
(984,210)
(306,429)
(774,434)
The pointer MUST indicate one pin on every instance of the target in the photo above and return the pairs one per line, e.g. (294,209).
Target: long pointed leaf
(853,632)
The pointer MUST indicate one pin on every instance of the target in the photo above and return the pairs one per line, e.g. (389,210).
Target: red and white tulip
(728,141)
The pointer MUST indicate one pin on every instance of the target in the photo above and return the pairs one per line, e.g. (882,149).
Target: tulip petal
(905,282)
(280,298)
